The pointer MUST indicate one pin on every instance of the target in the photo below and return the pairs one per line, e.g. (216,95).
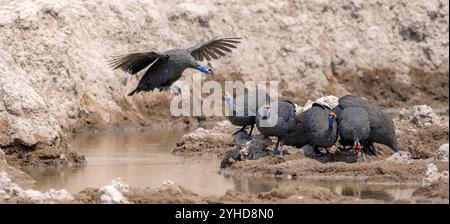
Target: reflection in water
(143,159)
(358,189)
(254,184)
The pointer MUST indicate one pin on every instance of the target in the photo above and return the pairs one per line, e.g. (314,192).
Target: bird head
(266,111)
(205,69)
(228,99)
(357,147)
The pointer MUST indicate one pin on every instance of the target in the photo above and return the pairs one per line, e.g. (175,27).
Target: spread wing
(135,62)
(214,48)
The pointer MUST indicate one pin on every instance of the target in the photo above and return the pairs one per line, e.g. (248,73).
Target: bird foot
(361,155)
(343,148)
(317,153)
(278,153)
(370,151)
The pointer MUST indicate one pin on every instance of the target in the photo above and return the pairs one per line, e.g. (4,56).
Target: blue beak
(205,69)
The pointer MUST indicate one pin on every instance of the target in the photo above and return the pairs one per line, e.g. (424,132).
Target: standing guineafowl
(316,127)
(278,123)
(382,128)
(354,128)
(167,67)
(243,110)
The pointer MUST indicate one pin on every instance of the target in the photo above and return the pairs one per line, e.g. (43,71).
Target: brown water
(143,159)
(140,158)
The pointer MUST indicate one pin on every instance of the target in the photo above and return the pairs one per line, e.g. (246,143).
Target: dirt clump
(383,87)
(437,190)
(20,156)
(14,175)
(169,192)
(203,141)
(421,142)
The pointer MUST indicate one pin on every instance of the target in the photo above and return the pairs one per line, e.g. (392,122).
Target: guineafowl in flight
(167,67)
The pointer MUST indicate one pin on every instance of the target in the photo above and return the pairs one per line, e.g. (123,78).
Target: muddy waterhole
(142,158)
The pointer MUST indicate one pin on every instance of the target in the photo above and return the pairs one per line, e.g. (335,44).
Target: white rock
(110,195)
(432,175)
(169,185)
(419,115)
(223,125)
(51,195)
(16,100)
(442,153)
(112,192)
(13,190)
(329,101)
(308,150)
(400,157)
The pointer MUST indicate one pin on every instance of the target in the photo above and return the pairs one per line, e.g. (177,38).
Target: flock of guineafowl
(357,123)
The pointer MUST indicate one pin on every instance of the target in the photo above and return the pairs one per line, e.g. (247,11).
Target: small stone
(432,175)
(112,192)
(419,115)
(400,157)
(308,150)
(442,153)
(329,101)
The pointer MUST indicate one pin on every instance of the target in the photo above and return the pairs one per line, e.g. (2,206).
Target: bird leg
(370,149)
(251,129)
(279,147)
(363,156)
(366,149)
(240,130)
